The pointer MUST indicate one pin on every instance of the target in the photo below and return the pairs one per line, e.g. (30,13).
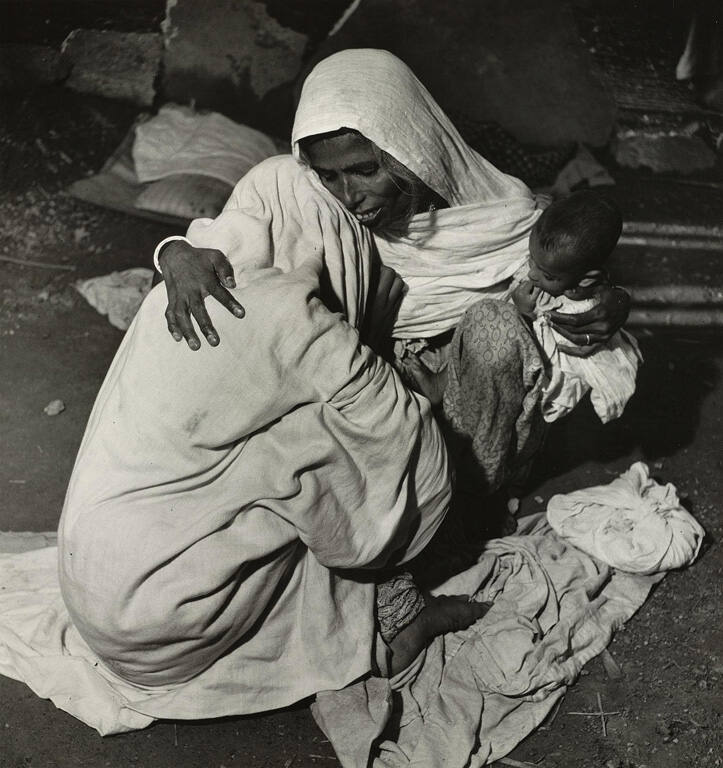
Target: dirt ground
(665,707)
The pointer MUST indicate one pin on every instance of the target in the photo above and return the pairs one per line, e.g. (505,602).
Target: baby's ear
(593,277)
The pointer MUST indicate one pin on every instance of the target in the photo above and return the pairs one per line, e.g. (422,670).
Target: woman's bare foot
(447,613)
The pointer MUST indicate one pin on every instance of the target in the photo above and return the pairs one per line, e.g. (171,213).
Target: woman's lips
(368,217)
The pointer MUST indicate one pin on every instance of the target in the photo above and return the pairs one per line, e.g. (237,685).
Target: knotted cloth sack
(633,524)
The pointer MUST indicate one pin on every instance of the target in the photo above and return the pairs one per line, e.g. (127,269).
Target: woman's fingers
(198,310)
(572,322)
(224,270)
(173,328)
(180,322)
(223,297)
(585,335)
(579,351)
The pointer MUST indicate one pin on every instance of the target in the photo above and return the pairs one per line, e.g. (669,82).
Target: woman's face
(349,169)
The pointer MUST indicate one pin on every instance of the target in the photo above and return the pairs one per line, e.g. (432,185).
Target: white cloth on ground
(608,374)
(555,608)
(476,694)
(633,524)
(180,140)
(449,258)
(117,294)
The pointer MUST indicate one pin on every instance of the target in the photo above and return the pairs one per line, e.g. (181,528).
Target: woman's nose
(351,193)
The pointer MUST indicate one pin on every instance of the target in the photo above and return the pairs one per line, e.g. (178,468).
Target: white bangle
(160,246)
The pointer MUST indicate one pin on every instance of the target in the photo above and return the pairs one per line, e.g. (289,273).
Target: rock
(230,55)
(521,64)
(117,65)
(23,66)
(662,151)
(54,407)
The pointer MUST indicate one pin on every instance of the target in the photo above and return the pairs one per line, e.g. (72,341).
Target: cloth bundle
(117,294)
(181,140)
(634,524)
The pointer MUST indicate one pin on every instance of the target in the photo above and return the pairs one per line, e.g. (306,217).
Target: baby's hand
(525,298)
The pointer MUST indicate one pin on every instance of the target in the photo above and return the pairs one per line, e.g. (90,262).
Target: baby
(569,245)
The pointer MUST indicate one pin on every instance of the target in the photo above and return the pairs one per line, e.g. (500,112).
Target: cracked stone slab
(117,65)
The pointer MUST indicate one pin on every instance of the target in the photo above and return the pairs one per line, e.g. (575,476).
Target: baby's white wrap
(608,374)
(448,258)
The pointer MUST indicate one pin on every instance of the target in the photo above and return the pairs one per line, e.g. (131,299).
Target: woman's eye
(368,170)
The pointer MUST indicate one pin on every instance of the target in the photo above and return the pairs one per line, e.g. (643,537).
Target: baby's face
(550,271)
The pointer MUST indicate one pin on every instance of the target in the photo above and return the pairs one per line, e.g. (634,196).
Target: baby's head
(572,237)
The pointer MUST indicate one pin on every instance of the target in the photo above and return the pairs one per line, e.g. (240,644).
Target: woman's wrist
(161,248)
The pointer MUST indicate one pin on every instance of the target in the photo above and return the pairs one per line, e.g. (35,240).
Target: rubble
(22,66)
(662,151)
(117,65)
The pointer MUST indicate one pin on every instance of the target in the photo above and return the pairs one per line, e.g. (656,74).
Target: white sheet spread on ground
(449,258)
(477,693)
(469,700)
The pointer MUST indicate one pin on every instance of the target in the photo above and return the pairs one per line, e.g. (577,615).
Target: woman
(453,227)
(238,521)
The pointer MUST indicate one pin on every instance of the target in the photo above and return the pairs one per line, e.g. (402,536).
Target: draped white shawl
(220,498)
(448,258)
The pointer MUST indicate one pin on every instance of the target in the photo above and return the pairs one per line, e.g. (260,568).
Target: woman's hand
(419,378)
(382,308)
(588,330)
(191,274)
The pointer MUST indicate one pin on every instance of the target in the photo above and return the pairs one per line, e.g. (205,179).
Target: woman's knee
(492,334)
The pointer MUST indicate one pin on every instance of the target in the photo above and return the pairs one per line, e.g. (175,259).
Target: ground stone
(118,65)
(521,64)
(23,66)
(662,151)
(228,55)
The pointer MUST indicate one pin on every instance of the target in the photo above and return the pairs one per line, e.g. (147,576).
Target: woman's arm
(588,330)
(191,274)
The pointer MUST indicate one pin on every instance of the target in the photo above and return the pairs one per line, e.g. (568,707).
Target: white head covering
(448,258)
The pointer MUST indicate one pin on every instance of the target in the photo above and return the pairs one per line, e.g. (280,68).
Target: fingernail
(176,336)
(194,344)
(239,312)
(230,282)
(212,339)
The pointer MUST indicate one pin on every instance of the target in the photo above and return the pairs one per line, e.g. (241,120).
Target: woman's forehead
(340,150)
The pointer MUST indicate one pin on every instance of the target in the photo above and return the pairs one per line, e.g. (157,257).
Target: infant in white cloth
(569,245)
